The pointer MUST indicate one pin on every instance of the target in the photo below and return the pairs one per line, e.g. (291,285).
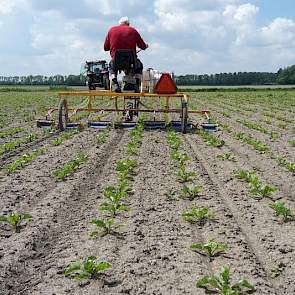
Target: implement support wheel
(184,116)
(63,116)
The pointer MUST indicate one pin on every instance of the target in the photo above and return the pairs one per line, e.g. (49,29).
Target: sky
(50,37)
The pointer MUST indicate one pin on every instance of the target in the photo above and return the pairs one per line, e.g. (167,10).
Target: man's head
(124,21)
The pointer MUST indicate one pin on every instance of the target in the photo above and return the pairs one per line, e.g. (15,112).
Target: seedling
(64,136)
(198,215)
(285,163)
(113,205)
(125,167)
(211,139)
(292,142)
(179,157)
(191,191)
(171,195)
(262,190)
(105,226)
(257,144)
(21,162)
(226,157)
(173,140)
(89,269)
(12,145)
(211,249)
(257,187)
(132,148)
(15,220)
(281,210)
(102,137)
(184,175)
(124,186)
(222,284)
(248,176)
(70,167)
(10,132)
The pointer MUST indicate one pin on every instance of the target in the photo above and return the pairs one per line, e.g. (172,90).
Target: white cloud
(187,36)
(8,6)
(245,13)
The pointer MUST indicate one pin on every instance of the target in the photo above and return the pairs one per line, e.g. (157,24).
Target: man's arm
(140,43)
(107,45)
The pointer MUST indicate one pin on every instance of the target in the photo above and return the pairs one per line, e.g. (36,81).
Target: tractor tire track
(265,230)
(252,261)
(153,257)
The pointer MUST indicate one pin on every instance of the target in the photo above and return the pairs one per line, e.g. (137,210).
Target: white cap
(124,20)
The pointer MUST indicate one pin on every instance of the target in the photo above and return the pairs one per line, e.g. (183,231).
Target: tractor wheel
(106,82)
(63,116)
(184,116)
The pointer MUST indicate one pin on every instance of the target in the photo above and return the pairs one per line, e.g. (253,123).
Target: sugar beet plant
(22,161)
(179,158)
(15,220)
(102,136)
(257,187)
(113,203)
(211,248)
(290,166)
(70,167)
(14,144)
(104,227)
(125,168)
(258,145)
(88,269)
(64,136)
(136,139)
(114,195)
(221,284)
(11,132)
(191,192)
(281,210)
(211,139)
(199,215)
(226,157)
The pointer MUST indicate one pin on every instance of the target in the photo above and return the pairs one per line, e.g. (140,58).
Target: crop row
(258,127)
(221,283)
(27,158)
(12,145)
(10,132)
(112,205)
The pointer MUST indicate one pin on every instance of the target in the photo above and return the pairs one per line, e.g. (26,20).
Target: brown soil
(151,253)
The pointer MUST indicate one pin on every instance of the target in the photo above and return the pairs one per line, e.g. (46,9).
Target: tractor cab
(97,74)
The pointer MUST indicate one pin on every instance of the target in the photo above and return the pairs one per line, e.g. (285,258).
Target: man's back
(123,37)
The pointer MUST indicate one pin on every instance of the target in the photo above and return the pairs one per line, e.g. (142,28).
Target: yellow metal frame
(124,95)
(92,94)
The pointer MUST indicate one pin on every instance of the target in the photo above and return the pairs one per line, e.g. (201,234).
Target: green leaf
(225,274)
(74,266)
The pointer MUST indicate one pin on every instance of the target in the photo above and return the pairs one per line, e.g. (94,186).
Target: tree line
(284,76)
(69,80)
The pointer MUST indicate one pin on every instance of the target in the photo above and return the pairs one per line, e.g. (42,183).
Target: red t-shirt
(123,37)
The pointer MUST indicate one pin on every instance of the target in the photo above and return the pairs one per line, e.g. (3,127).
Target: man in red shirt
(124,37)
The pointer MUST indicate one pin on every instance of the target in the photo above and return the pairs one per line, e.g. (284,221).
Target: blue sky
(271,9)
(185,36)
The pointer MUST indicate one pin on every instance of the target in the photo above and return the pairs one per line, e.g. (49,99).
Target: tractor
(97,74)
(157,102)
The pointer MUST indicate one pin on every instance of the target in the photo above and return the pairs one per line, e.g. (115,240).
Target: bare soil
(150,254)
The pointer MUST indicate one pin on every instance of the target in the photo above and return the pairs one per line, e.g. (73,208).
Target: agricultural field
(149,212)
